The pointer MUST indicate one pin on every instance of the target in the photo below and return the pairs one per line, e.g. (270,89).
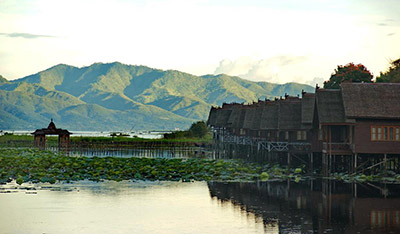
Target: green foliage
(392,75)
(349,72)
(198,130)
(264,176)
(20,180)
(298,170)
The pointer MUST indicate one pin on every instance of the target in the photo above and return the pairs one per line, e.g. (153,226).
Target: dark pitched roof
(241,118)
(224,114)
(269,117)
(257,115)
(376,101)
(330,106)
(307,108)
(51,130)
(234,116)
(249,116)
(212,117)
(289,114)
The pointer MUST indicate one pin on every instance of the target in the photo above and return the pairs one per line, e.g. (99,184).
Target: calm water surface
(121,207)
(173,207)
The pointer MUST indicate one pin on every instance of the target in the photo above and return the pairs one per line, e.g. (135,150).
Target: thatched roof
(330,106)
(307,108)
(234,116)
(375,101)
(249,116)
(289,113)
(212,117)
(269,117)
(224,113)
(240,122)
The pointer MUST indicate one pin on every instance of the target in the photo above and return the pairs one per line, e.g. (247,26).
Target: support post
(385,162)
(355,163)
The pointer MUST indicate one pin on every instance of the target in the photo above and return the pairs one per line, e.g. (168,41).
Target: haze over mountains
(115,96)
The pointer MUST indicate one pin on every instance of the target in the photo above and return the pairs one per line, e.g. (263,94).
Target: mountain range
(115,96)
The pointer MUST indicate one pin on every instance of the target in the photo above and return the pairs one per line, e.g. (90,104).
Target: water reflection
(312,206)
(316,206)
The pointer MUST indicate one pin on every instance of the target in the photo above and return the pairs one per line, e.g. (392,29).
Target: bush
(197,130)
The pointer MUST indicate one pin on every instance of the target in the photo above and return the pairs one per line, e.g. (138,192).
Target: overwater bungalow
(360,122)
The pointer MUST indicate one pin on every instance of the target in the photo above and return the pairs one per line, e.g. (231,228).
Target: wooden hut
(359,120)
(375,111)
(40,135)
(289,120)
(334,129)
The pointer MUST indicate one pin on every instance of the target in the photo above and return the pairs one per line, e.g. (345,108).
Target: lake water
(312,206)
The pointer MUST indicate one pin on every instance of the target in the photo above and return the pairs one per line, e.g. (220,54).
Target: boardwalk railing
(262,144)
(337,147)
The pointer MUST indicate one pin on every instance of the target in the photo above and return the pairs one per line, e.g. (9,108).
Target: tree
(392,75)
(349,72)
(199,129)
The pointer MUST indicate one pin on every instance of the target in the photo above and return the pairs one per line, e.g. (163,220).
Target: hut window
(320,134)
(385,133)
(259,133)
(379,134)
(391,134)
(373,133)
(242,131)
(301,135)
(286,135)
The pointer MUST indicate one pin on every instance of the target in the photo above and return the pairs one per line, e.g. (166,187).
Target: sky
(260,40)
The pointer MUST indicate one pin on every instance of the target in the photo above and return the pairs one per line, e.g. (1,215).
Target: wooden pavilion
(40,135)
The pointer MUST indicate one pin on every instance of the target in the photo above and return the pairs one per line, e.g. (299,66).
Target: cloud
(278,69)
(26,35)
(390,34)
(316,81)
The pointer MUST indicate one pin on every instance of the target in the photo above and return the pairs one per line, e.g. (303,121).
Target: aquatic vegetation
(34,165)
(264,176)
(388,176)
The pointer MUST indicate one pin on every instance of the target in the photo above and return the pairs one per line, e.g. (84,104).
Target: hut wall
(316,144)
(363,139)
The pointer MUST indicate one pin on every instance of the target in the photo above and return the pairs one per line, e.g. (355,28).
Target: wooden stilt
(385,163)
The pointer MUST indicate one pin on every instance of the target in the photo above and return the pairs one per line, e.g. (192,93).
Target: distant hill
(116,96)
(3,80)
